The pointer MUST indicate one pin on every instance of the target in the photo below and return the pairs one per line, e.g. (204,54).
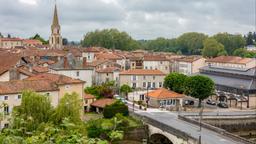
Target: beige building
(54,86)
(156,62)
(88,100)
(189,65)
(10,42)
(231,62)
(141,78)
(107,74)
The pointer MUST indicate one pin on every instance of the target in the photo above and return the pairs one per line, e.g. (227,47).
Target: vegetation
(175,82)
(38,37)
(242,52)
(105,90)
(115,108)
(125,89)
(111,39)
(212,48)
(199,87)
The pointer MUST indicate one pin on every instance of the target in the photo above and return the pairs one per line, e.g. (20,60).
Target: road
(171,119)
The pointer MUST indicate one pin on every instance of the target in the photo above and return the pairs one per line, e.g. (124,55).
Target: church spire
(55,21)
(55,40)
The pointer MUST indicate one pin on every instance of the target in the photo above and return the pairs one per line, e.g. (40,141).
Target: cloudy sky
(142,19)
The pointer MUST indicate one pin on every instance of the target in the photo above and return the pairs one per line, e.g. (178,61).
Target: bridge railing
(216,129)
(165,127)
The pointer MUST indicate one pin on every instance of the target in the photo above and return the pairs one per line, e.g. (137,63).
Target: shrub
(117,107)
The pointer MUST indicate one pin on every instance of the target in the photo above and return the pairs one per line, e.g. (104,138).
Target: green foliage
(175,82)
(69,107)
(105,90)
(111,39)
(34,109)
(200,87)
(160,44)
(191,43)
(117,107)
(212,48)
(242,52)
(250,38)
(230,42)
(125,89)
(38,37)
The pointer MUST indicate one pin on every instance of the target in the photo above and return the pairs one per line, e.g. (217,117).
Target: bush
(117,107)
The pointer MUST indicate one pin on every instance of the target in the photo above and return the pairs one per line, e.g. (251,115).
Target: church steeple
(55,40)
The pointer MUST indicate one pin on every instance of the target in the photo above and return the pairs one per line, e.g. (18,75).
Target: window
(134,78)
(6,125)
(67,86)
(142,97)
(154,77)
(107,74)
(154,85)
(77,73)
(6,110)
(86,101)
(47,94)
(5,97)
(161,62)
(151,68)
(134,85)
(107,79)
(144,77)
(144,84)
(160,84)
(149,84)
(146,67)
(19,97)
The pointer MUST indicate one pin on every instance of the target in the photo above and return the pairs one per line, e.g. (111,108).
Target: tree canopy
(191,43)
(175,82)
(38,37)
(111,39)
(199,87)
(212,48)
(125,89)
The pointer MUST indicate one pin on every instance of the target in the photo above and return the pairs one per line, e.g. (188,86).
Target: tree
(249,38)
(111,39)
(1,36)
(65,41)
(160,44)
(69,107)
(199,87)
(115,108)
(38,37)
(9,36)
(34,110)
(212,48)
(125,89)
(191,43)
(230,42)
(175,82)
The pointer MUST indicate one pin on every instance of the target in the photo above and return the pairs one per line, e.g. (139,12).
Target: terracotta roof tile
(13,87)
(40,69)
(163,93)
(58,79)
(108,70)
(89,96)
(8,60)
(189,59)
(142,72)
(230,59)
(101,103)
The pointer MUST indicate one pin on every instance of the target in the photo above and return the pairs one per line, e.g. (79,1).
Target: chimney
(84,62)
(65,63)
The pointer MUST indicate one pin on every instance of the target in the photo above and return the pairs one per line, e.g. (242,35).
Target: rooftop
(230,59)
(101,103)
(163,93)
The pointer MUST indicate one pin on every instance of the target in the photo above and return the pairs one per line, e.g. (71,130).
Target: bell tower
(55,39)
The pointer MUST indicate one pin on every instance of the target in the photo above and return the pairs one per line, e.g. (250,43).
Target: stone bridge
(169,128)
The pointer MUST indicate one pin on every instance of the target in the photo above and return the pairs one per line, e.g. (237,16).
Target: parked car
(189,102)
(210,102)
(222,105)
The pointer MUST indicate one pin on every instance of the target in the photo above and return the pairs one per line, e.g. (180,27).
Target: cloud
(143,19)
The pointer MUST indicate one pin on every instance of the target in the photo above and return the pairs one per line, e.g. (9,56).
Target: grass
(92,116)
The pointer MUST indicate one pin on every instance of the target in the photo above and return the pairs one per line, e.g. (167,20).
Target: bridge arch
(158,138)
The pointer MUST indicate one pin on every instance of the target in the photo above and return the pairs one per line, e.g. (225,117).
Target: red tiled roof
(101,103)
(40,69)
(8,60)
(108,56)
(32,41)
(154,58)
(89,96)
(142,72)
(13,87)
(108,70)
(10,39)
(230,59)
(58,79)
(189,59)
(163,93)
